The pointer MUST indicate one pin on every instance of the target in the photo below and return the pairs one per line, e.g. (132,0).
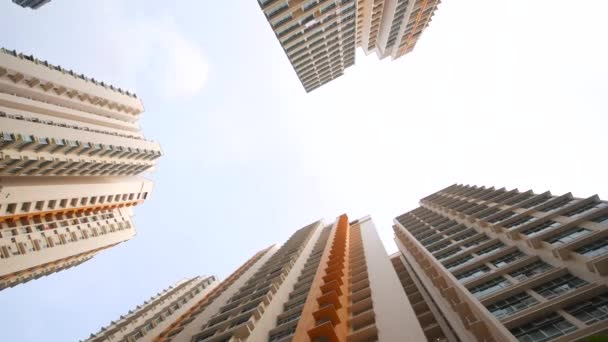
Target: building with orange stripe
(320,37)
(71,158)
(327,282)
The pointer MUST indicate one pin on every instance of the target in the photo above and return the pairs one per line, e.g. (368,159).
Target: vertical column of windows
(237,316)
(292,309)
(178,325)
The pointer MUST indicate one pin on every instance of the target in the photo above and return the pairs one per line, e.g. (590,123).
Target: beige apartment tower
(328,282)
(320,36)
(488,264)
(71,159)
(154,315)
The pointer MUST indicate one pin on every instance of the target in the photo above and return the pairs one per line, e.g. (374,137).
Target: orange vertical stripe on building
(327,300)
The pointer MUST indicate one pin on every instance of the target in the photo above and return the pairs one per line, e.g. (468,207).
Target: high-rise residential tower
(320,36)
(71,155)
(330,282)
(154,315)
(505,265)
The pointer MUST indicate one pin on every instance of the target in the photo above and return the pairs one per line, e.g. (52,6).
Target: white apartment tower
(71,155)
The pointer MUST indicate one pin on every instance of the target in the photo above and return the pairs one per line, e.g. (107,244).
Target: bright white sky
(503,93)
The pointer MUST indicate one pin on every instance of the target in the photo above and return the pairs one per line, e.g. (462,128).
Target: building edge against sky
(71,162)
(320,37)
(332,281)
(505,265)
(33,4)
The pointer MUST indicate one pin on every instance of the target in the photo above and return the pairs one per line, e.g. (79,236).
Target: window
(466,235)
(559,286)
(458,262)
(476,242)
(519,222)
(507,259)
(559,204)
(309,4)
(490,212)
(512,305)
(531,270)
(282,21)
(449,253)
(439,246)
(25,207)
(39,205)
(490,287)
(596,248)
(591,311)
(536,201)
(502,217)
(601,219)
(11,208)
(474,273)
(490,249)
(543,329)
(278,10)
(585,208)
(540,228)
(568,236)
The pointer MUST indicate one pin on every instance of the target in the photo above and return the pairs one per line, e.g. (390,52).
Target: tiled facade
(505,265)
(320,36)
(71,155)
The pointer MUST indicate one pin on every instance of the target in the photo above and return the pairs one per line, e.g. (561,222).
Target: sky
(507,94)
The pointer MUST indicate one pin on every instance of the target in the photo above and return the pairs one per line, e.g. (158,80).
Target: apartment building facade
(319,37)
(71,158)
(155,315)
(504,265)
(327,282)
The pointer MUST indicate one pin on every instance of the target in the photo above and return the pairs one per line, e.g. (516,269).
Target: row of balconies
(236,318)
(71,126)
(179,325)
(40,271)
(17,165)
(176,296)
(25,142)
(292,309)
(66,97)
(37,241)
(568,213)
(65,206)
(35,60)
(596,264)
